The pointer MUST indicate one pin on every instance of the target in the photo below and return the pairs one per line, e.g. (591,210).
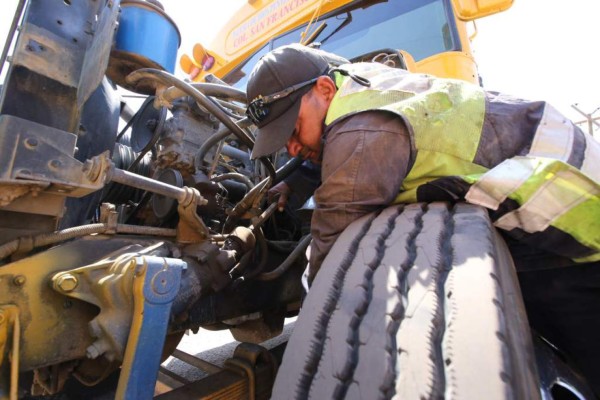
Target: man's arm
(365,160)
(300,185)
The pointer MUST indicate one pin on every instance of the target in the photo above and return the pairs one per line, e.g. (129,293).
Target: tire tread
(410,303)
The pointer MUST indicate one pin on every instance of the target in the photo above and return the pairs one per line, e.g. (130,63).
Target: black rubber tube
(288,262)
(200,98)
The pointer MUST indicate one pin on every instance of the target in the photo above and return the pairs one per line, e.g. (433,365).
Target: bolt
(19,280)
(151,124)
(95,328)
(67,282)
(91,169)
(31,143)
(92,352)
(55,164)
(139,271)
(160,282)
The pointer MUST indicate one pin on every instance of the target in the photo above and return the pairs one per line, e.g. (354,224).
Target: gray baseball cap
(275,88)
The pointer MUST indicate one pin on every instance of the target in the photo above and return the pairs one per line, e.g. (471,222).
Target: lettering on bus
(263,22)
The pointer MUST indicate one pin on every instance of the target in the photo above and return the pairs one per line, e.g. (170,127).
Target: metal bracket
(191,228)
(38,157)
(156,284)
(248,375)
(134,294)
(245,359)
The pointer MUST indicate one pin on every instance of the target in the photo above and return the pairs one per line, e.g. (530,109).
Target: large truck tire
(414,302)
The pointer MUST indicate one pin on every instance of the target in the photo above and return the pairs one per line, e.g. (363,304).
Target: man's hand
(279,192)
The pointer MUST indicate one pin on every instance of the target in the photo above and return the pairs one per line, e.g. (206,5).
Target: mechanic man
(384,135)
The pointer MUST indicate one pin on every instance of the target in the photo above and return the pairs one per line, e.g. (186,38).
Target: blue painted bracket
(156,283)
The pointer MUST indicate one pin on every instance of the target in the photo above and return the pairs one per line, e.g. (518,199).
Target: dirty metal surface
(197,369)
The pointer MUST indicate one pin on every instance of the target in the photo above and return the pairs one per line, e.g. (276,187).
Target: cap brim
(273,136)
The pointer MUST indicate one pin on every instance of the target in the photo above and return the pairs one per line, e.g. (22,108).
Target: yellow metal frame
(254,17)
(10,338)
(260,20)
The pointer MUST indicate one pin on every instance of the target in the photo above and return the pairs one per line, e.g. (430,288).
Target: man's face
(306,139)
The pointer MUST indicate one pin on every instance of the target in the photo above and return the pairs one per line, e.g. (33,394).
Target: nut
(19,280)
(67,282)
(92,352)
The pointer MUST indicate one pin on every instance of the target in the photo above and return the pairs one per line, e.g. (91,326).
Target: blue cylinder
(147,32)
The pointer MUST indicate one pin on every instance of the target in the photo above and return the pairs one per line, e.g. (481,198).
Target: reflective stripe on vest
(554,185)
(554,136)
(550,192)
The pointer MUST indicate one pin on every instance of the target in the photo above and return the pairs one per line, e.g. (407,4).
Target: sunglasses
(258,108)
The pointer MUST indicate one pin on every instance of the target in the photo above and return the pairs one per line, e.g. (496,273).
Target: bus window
(421,27)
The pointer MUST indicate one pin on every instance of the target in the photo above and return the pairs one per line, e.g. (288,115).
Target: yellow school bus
(428,36)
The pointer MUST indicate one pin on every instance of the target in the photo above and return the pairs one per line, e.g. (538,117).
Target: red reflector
(208,63)
(194,72)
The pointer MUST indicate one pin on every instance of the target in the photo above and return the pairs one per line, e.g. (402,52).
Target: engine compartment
(114,240)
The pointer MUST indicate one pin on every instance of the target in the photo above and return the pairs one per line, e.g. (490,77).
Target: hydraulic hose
(287,168)
(264,255)
(235,153)
(215,109)
(213,140)
(209,89)
(201,99)
(288,262)
(45,239)
(236,177)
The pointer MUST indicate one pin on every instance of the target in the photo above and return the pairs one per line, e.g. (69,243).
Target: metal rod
(589,118)
(209,89)
(46,239)
(258,221)
(14,357)
(11,32)
(147,184)
(146,230)
(232,106)
(178,378)
(196,362)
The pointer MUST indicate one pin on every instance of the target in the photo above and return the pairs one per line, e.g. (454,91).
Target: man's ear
(325,87)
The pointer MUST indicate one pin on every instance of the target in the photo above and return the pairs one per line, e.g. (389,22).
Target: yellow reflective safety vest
(537,173)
